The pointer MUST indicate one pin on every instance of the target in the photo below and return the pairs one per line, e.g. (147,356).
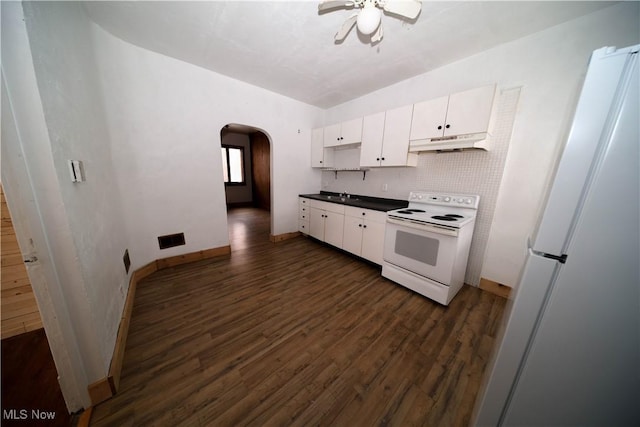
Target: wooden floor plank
(297,333)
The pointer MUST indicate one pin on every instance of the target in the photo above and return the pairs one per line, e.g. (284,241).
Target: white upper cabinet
(395,143)
(320,157)
(470,111)
(428,118)
(460,120)
(385,139)
(372,134)
(349,132)
(393,138)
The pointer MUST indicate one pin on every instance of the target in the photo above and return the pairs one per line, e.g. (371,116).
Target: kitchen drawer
(326,206)
(303,201)
(303,210)
(303,226)
(368,214)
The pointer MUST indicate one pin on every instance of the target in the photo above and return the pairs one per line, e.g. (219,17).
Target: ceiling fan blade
(346,27)
(407,8)
(333,4)
(377,36)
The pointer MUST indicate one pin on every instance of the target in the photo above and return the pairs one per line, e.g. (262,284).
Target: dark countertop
(365,202)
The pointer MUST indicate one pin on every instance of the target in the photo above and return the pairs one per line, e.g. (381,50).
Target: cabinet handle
(364,213)
(382,158)
(320,161)
(448,126)
(377,159)
(439,127)
(359,225)
(364,226)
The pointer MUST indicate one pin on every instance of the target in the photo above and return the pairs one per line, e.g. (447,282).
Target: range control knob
(467,201)
(460,200)
(447,199)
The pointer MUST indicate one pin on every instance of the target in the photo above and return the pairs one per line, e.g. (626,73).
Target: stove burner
(444,218)
(454,216)
(410,211)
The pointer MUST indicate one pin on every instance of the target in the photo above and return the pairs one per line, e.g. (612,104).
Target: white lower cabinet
(364,233)
(356,230)
(326,222)
(303,215)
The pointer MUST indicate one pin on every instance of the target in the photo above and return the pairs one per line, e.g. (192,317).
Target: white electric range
(427,243)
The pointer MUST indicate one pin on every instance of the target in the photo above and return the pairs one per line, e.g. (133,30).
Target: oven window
(417,247)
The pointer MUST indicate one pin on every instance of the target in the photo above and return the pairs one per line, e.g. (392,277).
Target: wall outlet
(385,187)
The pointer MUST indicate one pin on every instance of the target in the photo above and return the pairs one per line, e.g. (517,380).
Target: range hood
(452,143)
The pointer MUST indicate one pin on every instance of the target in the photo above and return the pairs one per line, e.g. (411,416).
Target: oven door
(425,249)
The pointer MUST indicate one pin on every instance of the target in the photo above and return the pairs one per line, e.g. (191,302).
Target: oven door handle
(423,226)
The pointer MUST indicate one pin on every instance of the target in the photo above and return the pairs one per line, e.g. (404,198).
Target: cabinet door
(352,240)
(316,223)
(351,131)
(332,135)
(317,148)
(428,118)
(470,111)
(395,142)
(333,228)
(372,134)
(373,241)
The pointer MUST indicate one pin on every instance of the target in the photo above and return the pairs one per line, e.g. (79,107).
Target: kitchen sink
(339,198)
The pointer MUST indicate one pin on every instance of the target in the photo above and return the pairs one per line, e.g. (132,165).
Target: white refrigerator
(569,351)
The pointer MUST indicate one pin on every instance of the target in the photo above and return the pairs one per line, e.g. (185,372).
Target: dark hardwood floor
(297,333)
(30,383)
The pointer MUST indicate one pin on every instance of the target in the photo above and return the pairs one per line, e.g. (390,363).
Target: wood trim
(145,271)
(106,388)
(285,236)
(85,417)
(495,288)
(193,256)
(100,391)
(123,330)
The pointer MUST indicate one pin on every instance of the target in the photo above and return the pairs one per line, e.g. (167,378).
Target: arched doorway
(246,158)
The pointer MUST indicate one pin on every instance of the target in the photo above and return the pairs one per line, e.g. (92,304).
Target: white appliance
(427,244)
(570,350)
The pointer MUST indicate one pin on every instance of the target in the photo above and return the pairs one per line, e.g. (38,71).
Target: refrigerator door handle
(560,258)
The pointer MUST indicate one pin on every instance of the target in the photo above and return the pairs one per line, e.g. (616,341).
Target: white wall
(59,34)
(147,128)
(549,66)
(164,119)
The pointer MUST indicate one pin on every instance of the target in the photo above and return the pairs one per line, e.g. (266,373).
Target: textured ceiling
(287,46)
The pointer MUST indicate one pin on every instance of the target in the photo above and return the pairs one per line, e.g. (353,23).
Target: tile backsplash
(472,172)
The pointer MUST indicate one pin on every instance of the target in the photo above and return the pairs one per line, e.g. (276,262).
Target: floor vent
(171,240)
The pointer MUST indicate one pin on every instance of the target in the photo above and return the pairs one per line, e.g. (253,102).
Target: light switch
(76,171)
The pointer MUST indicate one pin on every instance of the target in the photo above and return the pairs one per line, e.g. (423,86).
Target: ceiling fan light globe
(369,20)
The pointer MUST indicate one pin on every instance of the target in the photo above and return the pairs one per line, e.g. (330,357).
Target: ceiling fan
(368,19)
